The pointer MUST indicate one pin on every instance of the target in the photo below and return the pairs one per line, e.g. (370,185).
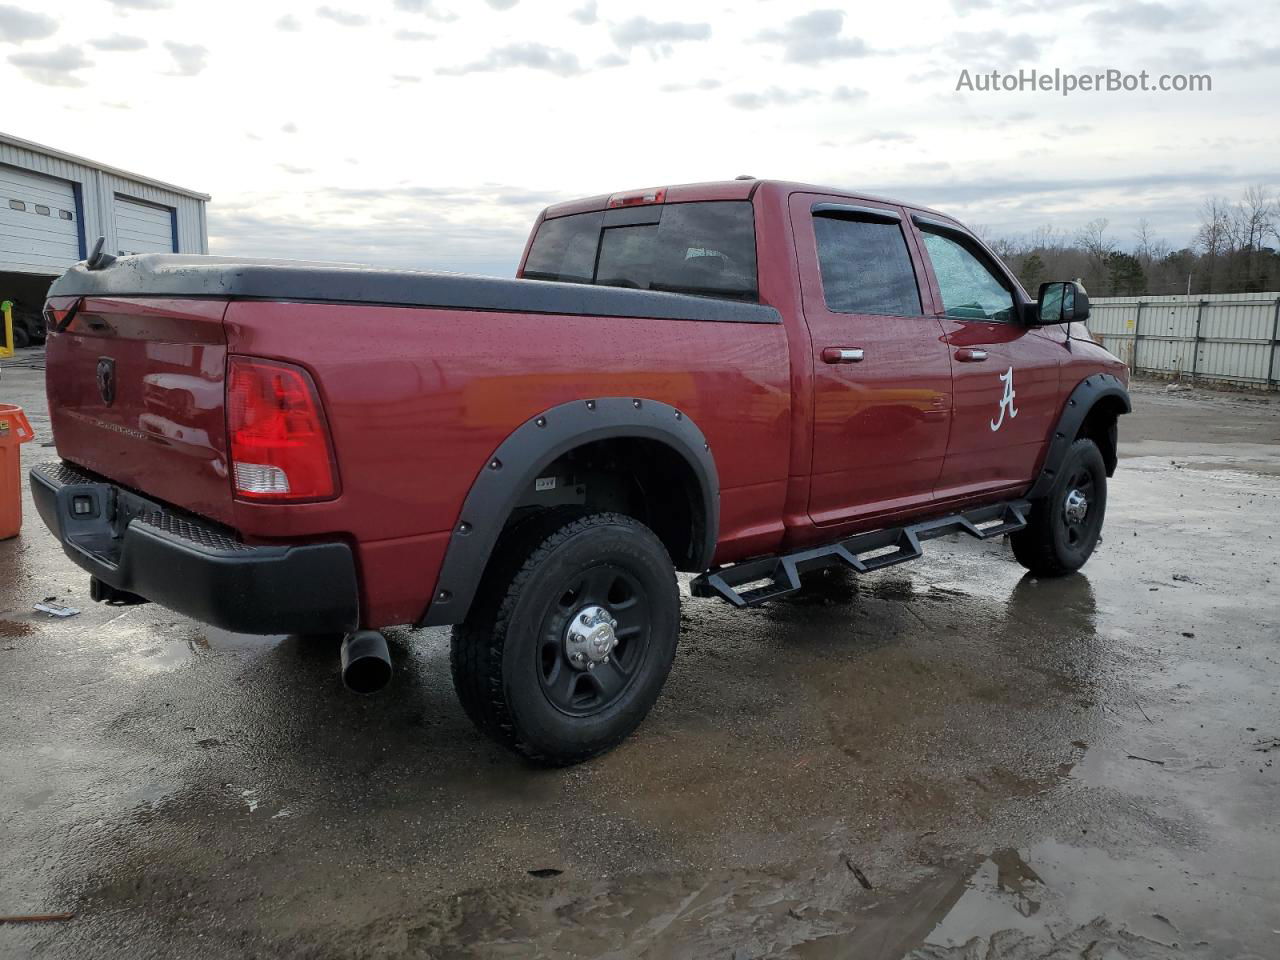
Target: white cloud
(345,18)
(119,43)
(428,8)
(189,59)
(54,68)
(18,25)
(994,48)
(641,31)
(534,56)
(770,97)
(814,37)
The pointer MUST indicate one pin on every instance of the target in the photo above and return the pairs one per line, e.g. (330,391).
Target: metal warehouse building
(54,206)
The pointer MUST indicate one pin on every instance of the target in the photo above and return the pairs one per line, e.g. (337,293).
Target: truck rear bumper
(194,567)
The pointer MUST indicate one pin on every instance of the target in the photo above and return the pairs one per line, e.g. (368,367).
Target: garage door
(39,230)
(143,228)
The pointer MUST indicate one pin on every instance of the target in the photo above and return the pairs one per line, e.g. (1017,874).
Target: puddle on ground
(201,641)
(225,641)
(1052,899)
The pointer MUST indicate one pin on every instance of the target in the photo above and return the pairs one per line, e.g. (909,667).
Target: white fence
(1228,337)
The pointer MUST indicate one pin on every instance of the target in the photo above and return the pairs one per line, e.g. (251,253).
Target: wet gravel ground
(945,759)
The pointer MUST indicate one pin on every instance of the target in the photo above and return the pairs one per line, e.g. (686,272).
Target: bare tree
(1098,246)
(1146,240)
(1251,221)
(1213,238)
(1253,218)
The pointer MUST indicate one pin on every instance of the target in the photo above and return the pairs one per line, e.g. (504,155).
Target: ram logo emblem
(107,380)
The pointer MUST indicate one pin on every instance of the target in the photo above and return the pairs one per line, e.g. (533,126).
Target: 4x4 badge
(1006,402)
(107,380)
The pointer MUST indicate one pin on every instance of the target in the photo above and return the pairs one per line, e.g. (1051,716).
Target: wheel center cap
(1076,507)
(590,637)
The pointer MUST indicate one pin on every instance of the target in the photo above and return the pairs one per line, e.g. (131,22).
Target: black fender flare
(511,470)
(1084,397)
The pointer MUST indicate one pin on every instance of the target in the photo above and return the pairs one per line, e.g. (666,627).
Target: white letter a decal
(1006,402)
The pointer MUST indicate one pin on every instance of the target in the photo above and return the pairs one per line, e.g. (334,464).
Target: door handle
(970,355)
(842,355)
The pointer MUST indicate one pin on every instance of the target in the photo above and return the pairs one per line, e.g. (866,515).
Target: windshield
(706,248)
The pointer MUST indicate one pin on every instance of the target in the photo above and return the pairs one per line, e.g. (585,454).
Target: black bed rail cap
(188,275)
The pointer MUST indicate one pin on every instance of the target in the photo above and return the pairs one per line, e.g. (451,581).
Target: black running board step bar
(774,577)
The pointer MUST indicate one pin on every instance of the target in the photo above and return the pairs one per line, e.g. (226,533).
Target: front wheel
(1066,525)
(570,636)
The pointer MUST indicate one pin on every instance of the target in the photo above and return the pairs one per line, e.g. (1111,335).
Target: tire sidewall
(1088,456)
(540,722)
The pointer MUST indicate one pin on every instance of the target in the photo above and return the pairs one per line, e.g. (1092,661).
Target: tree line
(1236,250)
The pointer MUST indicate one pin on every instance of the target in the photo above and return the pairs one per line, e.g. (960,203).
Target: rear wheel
(570,637)
(1065,526)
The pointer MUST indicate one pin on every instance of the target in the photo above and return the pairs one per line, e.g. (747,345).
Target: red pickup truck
(746,380)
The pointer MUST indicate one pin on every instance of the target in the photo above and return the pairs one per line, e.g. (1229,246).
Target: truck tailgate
(136,394)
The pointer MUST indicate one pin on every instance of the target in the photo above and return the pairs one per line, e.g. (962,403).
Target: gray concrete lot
(946,759)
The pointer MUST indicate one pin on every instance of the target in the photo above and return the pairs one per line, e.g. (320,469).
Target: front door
(1005,373)
(881,371)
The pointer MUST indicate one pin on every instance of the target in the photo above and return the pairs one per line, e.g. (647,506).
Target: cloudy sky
(428,133)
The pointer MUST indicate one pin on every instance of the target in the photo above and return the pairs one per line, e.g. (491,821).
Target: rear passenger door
(881,372)
(1005,373)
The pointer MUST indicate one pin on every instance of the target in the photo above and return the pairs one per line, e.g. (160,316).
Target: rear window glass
(706,248)
(865,267)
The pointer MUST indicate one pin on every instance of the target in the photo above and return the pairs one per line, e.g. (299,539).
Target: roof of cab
(743,189)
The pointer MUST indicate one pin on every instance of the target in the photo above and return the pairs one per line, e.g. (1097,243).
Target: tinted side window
(565,249)
(970,291)
(705,247)
(865,267)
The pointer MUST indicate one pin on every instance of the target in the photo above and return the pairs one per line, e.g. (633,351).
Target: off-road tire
(497,654)
(1047,546)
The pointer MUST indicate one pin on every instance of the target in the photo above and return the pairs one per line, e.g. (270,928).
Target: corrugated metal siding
(32,241)
(1226,337)
(191,235)
(143,227)
(98,189)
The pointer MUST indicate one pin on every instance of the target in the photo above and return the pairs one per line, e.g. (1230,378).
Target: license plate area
(95,517)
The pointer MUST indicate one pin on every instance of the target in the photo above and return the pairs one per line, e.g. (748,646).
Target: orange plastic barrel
(14,431)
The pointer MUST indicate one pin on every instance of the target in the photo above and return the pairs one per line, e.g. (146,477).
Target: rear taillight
(278,436)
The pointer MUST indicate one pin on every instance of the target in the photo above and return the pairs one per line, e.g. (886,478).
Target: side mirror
(1061,301)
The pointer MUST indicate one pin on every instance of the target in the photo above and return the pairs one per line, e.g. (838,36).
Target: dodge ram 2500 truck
(747,381)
